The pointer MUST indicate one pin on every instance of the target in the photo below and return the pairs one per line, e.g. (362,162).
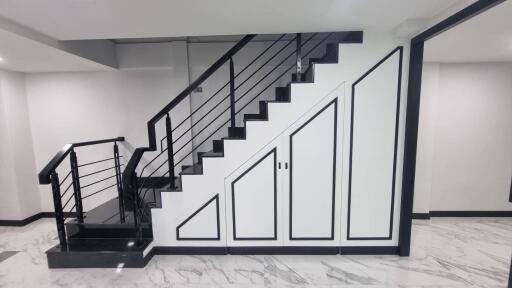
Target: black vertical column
(57,204)
(119,183)
(232,93)
(299,56)
(170,151)
(77,194)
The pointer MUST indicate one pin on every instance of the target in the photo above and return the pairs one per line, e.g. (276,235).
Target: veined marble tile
(445,252)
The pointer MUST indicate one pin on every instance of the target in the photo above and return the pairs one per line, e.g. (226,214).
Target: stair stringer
(355,59)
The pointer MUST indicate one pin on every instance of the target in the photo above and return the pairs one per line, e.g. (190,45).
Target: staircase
(122,231)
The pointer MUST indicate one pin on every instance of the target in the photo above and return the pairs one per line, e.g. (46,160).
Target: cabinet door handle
(286,165)
(279,165)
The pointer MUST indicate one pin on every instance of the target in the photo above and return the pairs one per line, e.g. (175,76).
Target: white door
(253,200)
(310,198)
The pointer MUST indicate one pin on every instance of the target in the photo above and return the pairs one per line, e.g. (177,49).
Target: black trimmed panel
(216,198)
(331,237)
(235,237)
(398,49)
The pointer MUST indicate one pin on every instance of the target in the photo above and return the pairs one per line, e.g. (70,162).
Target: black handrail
(237,100)
(44,175)
(137,154)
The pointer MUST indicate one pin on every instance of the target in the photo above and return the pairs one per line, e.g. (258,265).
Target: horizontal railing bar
(152,160)
(243,82)
(215,66)
(282,74)
(85,197)
(61,182)
(93,183)
(137,154)
(277,78)
(88,143)
(225,85)
(44,175)
(99,171)
(65,191)
(69,199)
(96,162)
(243,95)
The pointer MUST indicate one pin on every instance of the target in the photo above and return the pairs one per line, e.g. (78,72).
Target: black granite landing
(98,253)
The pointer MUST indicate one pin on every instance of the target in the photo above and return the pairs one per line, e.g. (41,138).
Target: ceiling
(114,19)
(34,34)
(22,54)
(484,38)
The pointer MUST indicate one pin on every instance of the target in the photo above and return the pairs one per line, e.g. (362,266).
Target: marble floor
(446,252)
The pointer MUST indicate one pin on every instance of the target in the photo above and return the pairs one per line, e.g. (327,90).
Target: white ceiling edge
(25,50)
(119,19)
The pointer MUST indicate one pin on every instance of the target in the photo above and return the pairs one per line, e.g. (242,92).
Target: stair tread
(193,169)
(212,154)
(255,117)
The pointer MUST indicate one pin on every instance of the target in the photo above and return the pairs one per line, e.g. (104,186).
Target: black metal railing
(215,113)
(70,204)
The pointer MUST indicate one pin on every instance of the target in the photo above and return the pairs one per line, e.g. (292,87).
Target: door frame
(413,111)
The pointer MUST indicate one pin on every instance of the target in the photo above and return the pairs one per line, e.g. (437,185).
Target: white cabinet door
(253,199)
(286,193)
(310,199)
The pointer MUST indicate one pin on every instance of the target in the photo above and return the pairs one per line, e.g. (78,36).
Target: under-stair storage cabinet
(285,195)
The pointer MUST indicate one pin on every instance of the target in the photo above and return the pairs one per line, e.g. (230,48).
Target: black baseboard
(281,250)
(273,250)
(422,216)
(470,213)
(35,217)
(163,250)
(369,250)
(426,216)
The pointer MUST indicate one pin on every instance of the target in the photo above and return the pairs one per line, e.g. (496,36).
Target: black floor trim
(35,217)
(426,216)
(470,213)
(421,216)
(282,250)
(193,250)
(369,250)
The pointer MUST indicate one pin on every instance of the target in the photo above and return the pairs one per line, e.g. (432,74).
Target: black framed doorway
(413,111)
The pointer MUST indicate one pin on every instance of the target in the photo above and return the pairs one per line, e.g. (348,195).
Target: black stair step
(236,132)
(192,170)
(199,159)
(254,117)
(218,146)
(209,154)
(283,94)
(263,108)
(330,56)
(98,253)
(331,53)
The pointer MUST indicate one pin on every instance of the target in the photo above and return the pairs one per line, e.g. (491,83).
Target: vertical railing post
(232,93)
(136,213)
(57,203)
(77,194)
(299,56)
(170,151)
(119,182)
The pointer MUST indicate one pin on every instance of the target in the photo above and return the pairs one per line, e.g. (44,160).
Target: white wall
(19,197)
(79,106)
(465,138)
